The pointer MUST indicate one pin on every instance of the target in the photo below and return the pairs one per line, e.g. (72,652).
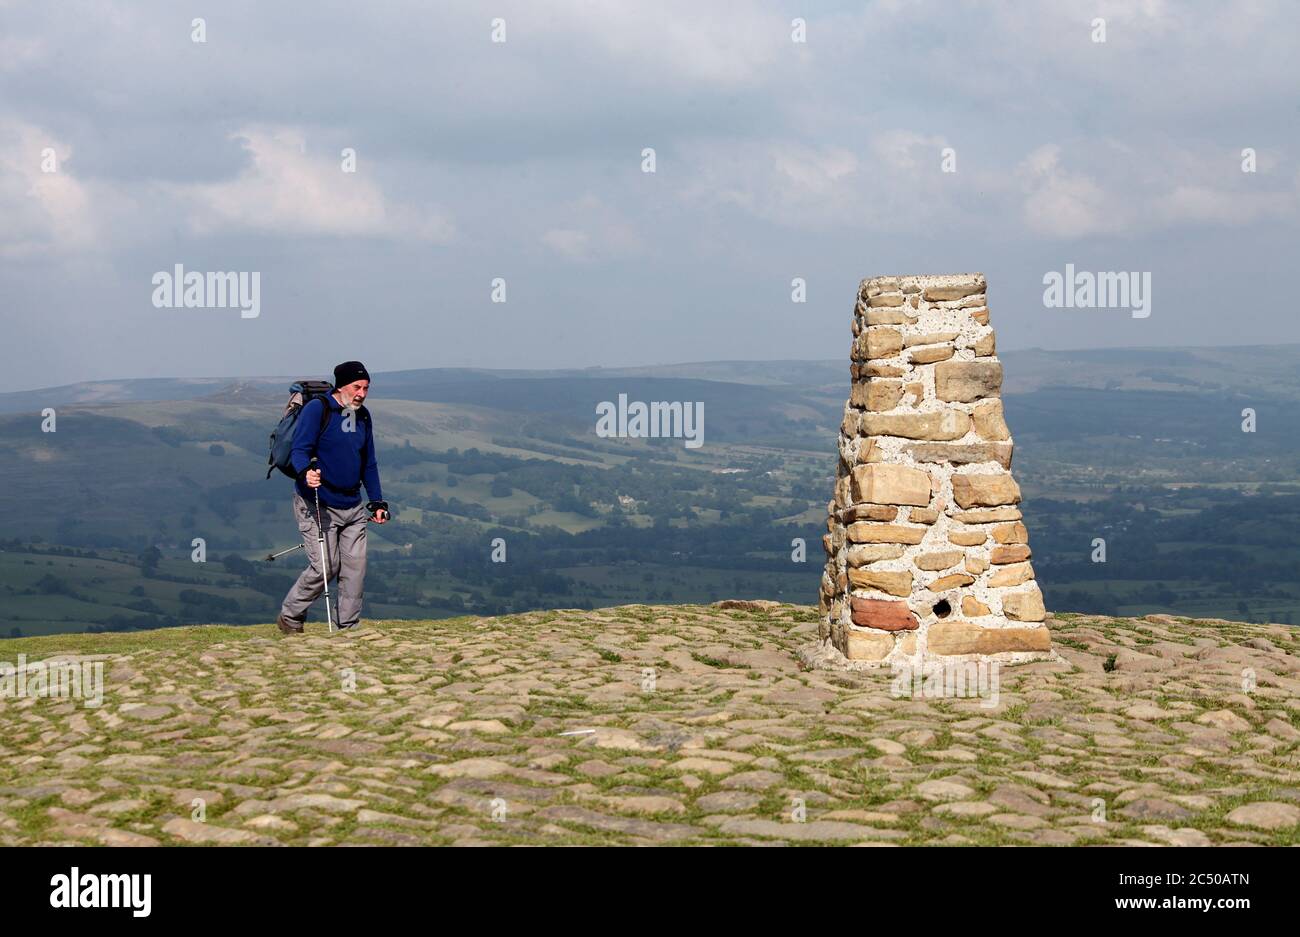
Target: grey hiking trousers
(345,549)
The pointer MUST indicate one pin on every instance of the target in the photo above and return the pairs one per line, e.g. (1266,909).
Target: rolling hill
(1142,448)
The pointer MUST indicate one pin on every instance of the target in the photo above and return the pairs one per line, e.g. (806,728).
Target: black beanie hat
(349,371)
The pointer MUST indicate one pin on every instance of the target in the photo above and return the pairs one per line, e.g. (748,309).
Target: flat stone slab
(543,728)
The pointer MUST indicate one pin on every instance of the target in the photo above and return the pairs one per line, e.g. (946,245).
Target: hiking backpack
(300,392)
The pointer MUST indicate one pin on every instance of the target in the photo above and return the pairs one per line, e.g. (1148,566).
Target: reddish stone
(882,614)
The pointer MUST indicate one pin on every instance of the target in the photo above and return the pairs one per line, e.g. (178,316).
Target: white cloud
(1204,204)
(568,242)
(592,230)
(674,42)
(810,171)
(896,178)
(43,212)
(906,151)
(286,190)
(1061,203)
(787,183)
(1160,187)
(18,53)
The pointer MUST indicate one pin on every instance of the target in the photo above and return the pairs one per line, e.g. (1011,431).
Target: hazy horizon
(324,370)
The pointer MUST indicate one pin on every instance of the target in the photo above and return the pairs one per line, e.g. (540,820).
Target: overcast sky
(522,160)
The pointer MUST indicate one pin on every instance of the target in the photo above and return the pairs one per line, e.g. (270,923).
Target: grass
(186,639)
(862,779)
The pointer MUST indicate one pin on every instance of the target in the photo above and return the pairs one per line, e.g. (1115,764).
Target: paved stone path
(655,725)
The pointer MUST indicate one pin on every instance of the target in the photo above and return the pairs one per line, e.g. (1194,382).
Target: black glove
(374,507)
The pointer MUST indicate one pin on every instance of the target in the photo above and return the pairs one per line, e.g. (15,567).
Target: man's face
(354,394)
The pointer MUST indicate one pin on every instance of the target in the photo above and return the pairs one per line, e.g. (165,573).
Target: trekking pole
(271,557)
(320,539)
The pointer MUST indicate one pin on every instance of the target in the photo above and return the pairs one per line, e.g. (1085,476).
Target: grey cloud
(521,160)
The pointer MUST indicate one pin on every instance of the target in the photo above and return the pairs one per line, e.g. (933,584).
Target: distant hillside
(399,384)
(1265,370)
(1273,370)
(1139,448)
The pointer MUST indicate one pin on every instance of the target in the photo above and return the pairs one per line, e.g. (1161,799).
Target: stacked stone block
(927,555)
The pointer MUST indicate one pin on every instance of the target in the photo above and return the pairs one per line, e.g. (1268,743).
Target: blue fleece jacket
(347,459)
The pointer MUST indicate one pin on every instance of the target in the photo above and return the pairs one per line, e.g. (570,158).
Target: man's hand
(313,478)
(378,511)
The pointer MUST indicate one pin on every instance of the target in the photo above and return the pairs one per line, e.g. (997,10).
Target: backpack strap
(324,420)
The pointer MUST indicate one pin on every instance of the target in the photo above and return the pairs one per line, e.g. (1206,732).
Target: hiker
(335,430)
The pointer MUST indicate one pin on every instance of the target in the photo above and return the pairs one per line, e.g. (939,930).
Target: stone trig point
(927,556)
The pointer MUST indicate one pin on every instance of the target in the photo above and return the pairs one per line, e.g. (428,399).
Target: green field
(1195,513)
